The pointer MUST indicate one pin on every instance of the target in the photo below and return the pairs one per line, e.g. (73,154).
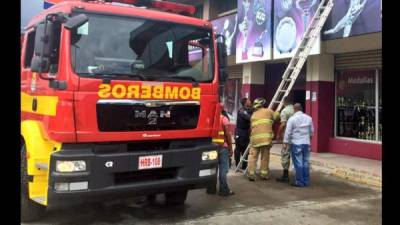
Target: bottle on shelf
(373,134)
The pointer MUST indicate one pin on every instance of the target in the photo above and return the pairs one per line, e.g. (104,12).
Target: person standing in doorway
(242,131)
(286,113)
(261,136)
(298,133)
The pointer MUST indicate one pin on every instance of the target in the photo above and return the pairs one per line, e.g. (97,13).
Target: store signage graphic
(291,19)
(227,26)
(353,17)
(48,3)
(253,42)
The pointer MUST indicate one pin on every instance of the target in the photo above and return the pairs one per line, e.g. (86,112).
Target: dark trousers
(223,169)
(241,143)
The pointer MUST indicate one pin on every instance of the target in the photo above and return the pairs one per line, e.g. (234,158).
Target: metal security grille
(359,60)
(235,71)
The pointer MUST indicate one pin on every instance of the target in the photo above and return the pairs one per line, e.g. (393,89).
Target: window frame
(27,35)
(377,80)
(212,59)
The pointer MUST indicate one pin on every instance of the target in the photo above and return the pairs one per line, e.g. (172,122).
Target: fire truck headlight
(210,155)
(70,166)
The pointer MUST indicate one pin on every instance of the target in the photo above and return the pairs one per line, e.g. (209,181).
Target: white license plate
(150,161)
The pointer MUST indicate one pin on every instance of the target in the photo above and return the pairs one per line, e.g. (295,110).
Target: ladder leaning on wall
(296,63)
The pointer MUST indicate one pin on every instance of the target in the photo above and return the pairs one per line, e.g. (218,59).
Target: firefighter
(261,136)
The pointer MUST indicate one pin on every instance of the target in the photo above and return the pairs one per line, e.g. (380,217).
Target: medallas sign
(360,80)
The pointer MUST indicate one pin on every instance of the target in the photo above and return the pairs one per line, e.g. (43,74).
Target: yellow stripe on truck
(39,148)
(218,140)
(46,105)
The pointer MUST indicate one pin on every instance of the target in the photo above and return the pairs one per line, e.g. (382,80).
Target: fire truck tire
(176,198)
(30,210)
(151,198)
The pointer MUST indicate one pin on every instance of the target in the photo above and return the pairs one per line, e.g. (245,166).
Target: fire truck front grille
(130,115)
(145,175)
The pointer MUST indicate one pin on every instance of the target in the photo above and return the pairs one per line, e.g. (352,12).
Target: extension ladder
(296,63)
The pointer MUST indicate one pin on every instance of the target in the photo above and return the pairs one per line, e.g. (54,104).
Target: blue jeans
(223,168)
(301,157)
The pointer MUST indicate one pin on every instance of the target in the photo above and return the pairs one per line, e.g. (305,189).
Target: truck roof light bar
(173,7)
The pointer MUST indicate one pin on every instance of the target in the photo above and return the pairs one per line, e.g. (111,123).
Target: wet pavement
(328,200)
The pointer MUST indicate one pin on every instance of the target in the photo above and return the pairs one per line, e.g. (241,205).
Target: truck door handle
(34,104)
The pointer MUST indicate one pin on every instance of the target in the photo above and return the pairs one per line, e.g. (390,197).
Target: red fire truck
(118,98)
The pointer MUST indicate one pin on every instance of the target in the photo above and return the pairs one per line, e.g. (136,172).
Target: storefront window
(356,104)
(380,106)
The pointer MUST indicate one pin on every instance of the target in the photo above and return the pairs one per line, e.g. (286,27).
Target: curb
(350,174)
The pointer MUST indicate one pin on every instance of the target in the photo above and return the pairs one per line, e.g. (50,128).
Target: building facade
(339,86)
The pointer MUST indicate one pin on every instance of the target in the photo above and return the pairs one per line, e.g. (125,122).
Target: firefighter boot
(284,178)
(251,176)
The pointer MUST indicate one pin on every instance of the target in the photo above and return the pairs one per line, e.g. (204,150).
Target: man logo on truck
(152,115)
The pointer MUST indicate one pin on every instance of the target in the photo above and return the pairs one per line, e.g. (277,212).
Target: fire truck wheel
(151,198)
(176,198)
(30,210)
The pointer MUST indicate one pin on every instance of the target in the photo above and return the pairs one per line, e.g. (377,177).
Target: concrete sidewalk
(354,169)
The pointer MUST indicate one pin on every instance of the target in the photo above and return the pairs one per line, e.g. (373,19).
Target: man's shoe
(296,185)
(283,179)
(226,194)
(252,179)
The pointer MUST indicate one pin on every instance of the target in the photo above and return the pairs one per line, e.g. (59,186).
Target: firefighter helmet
(258,103)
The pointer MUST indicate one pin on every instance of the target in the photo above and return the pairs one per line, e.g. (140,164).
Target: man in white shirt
(299,130)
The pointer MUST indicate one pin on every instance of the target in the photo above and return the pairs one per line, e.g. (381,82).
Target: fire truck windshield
(136,48)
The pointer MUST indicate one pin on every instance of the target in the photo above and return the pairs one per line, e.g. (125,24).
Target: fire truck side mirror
(44,41)
(76,21)
(222,59)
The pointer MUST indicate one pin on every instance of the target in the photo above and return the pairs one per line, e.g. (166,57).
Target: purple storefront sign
(253,42)
(291,18)
(227,26)
(353,17)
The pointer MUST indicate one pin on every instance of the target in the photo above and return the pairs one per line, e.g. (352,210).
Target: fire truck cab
(117,100)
